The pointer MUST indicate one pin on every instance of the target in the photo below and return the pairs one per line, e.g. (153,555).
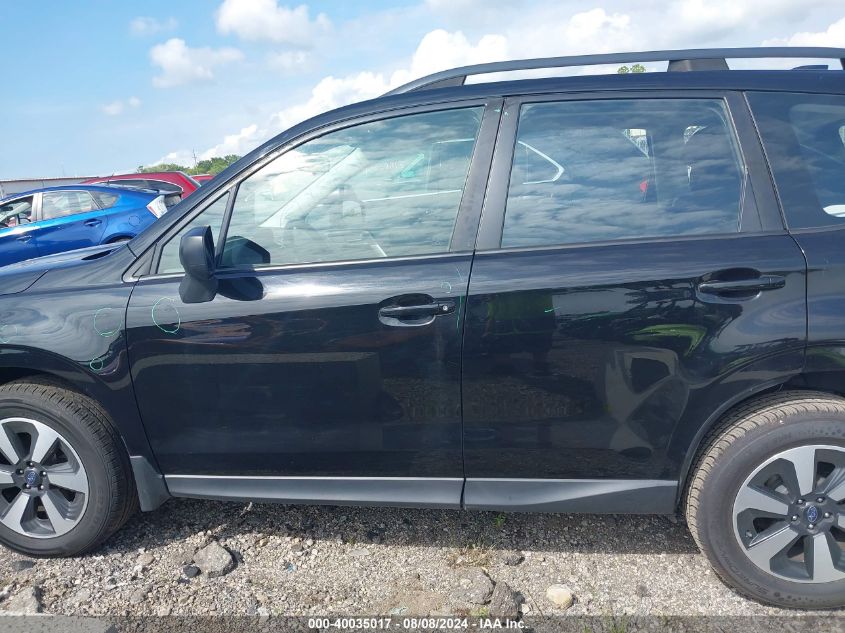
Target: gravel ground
(311,560)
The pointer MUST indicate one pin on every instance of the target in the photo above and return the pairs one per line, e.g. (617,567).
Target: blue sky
(99,87)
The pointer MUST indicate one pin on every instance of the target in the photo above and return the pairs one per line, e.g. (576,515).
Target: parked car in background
(616,293)
(176,185)
(202,178)
(57,219)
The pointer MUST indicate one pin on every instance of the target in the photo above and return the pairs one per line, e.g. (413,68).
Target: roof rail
(679,60)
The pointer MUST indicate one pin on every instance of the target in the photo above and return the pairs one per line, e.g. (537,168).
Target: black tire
(748,437)
(112,498)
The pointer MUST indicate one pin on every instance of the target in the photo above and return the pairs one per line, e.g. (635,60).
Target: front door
(17,232)
(633,277)
(327,366)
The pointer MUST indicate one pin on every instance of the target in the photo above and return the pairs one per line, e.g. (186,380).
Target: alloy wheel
(43,484)
(789,515)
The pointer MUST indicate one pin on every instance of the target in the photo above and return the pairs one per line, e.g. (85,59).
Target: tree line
(209,166)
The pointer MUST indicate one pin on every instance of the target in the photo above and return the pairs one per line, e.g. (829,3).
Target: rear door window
(57,204)
(586,171)
(804,139)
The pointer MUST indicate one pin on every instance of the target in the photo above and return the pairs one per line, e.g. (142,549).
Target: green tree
(636,68)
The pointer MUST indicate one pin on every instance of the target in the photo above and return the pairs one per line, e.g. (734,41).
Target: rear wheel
(65,481)
(766,501)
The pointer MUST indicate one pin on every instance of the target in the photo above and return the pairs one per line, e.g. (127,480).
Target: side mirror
(196,252)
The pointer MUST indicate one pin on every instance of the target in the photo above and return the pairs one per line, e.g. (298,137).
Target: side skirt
(411,492)
(616,496)
(588,496)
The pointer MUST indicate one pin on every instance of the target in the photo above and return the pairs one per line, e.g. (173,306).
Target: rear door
(68,220)
(632,279)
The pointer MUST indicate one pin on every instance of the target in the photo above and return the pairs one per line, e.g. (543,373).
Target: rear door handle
(93,222)
(410,312)
(764,282)
(24,238)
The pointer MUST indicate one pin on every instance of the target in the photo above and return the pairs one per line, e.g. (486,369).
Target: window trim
(754,217)
(464,232)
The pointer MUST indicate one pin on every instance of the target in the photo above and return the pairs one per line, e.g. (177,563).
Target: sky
(99,87)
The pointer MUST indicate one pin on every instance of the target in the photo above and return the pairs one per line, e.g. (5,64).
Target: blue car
(57,219)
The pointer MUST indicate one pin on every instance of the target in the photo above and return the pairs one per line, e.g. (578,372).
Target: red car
(174,184)
(202,178)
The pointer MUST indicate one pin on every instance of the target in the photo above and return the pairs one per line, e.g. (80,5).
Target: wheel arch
(118,237)
(830,382)
(118,401)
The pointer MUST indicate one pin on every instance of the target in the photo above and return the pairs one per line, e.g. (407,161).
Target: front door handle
(93,222)
(755,284)
(24,238)
(410,312)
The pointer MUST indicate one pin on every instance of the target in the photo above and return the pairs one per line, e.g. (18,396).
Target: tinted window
(212,216)
(16,212)
(163,186)
(604,170)
(382,189)
(104,199)
(804,137)
(57,204)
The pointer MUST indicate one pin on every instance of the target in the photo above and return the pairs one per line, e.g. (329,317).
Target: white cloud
(144,26)
(180,64)
(834,35)
(237,143)
(438,50)
(180,157)
(266,20)
(117,107)
(509,30)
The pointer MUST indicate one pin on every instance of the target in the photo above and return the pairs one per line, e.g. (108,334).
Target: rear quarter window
(104,199)
(804,139)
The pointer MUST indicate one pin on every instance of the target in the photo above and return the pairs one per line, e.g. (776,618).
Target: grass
(476,554)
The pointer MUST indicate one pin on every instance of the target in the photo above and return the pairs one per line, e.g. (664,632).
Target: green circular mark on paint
(8,332)
(96,364)
(167,329)
(99,328)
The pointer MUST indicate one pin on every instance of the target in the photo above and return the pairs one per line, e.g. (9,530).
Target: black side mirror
(196,252)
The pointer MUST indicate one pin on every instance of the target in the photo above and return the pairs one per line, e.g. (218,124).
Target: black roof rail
(679,60)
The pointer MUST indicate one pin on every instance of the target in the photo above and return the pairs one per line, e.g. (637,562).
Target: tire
(87,453)
(748,505)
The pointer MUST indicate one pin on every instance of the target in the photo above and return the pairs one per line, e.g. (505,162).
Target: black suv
(618,293)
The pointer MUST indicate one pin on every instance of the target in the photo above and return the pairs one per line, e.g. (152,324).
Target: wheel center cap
(31,477)
(811,514)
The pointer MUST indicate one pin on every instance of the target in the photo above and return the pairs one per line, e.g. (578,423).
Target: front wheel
(65,481)
(766,501)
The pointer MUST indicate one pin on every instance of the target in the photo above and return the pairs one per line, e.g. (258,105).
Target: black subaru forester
(603,294)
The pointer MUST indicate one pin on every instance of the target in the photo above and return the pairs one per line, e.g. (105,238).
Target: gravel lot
(311,560)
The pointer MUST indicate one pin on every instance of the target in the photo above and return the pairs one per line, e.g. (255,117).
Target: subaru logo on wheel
(31,477)
(812,514)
